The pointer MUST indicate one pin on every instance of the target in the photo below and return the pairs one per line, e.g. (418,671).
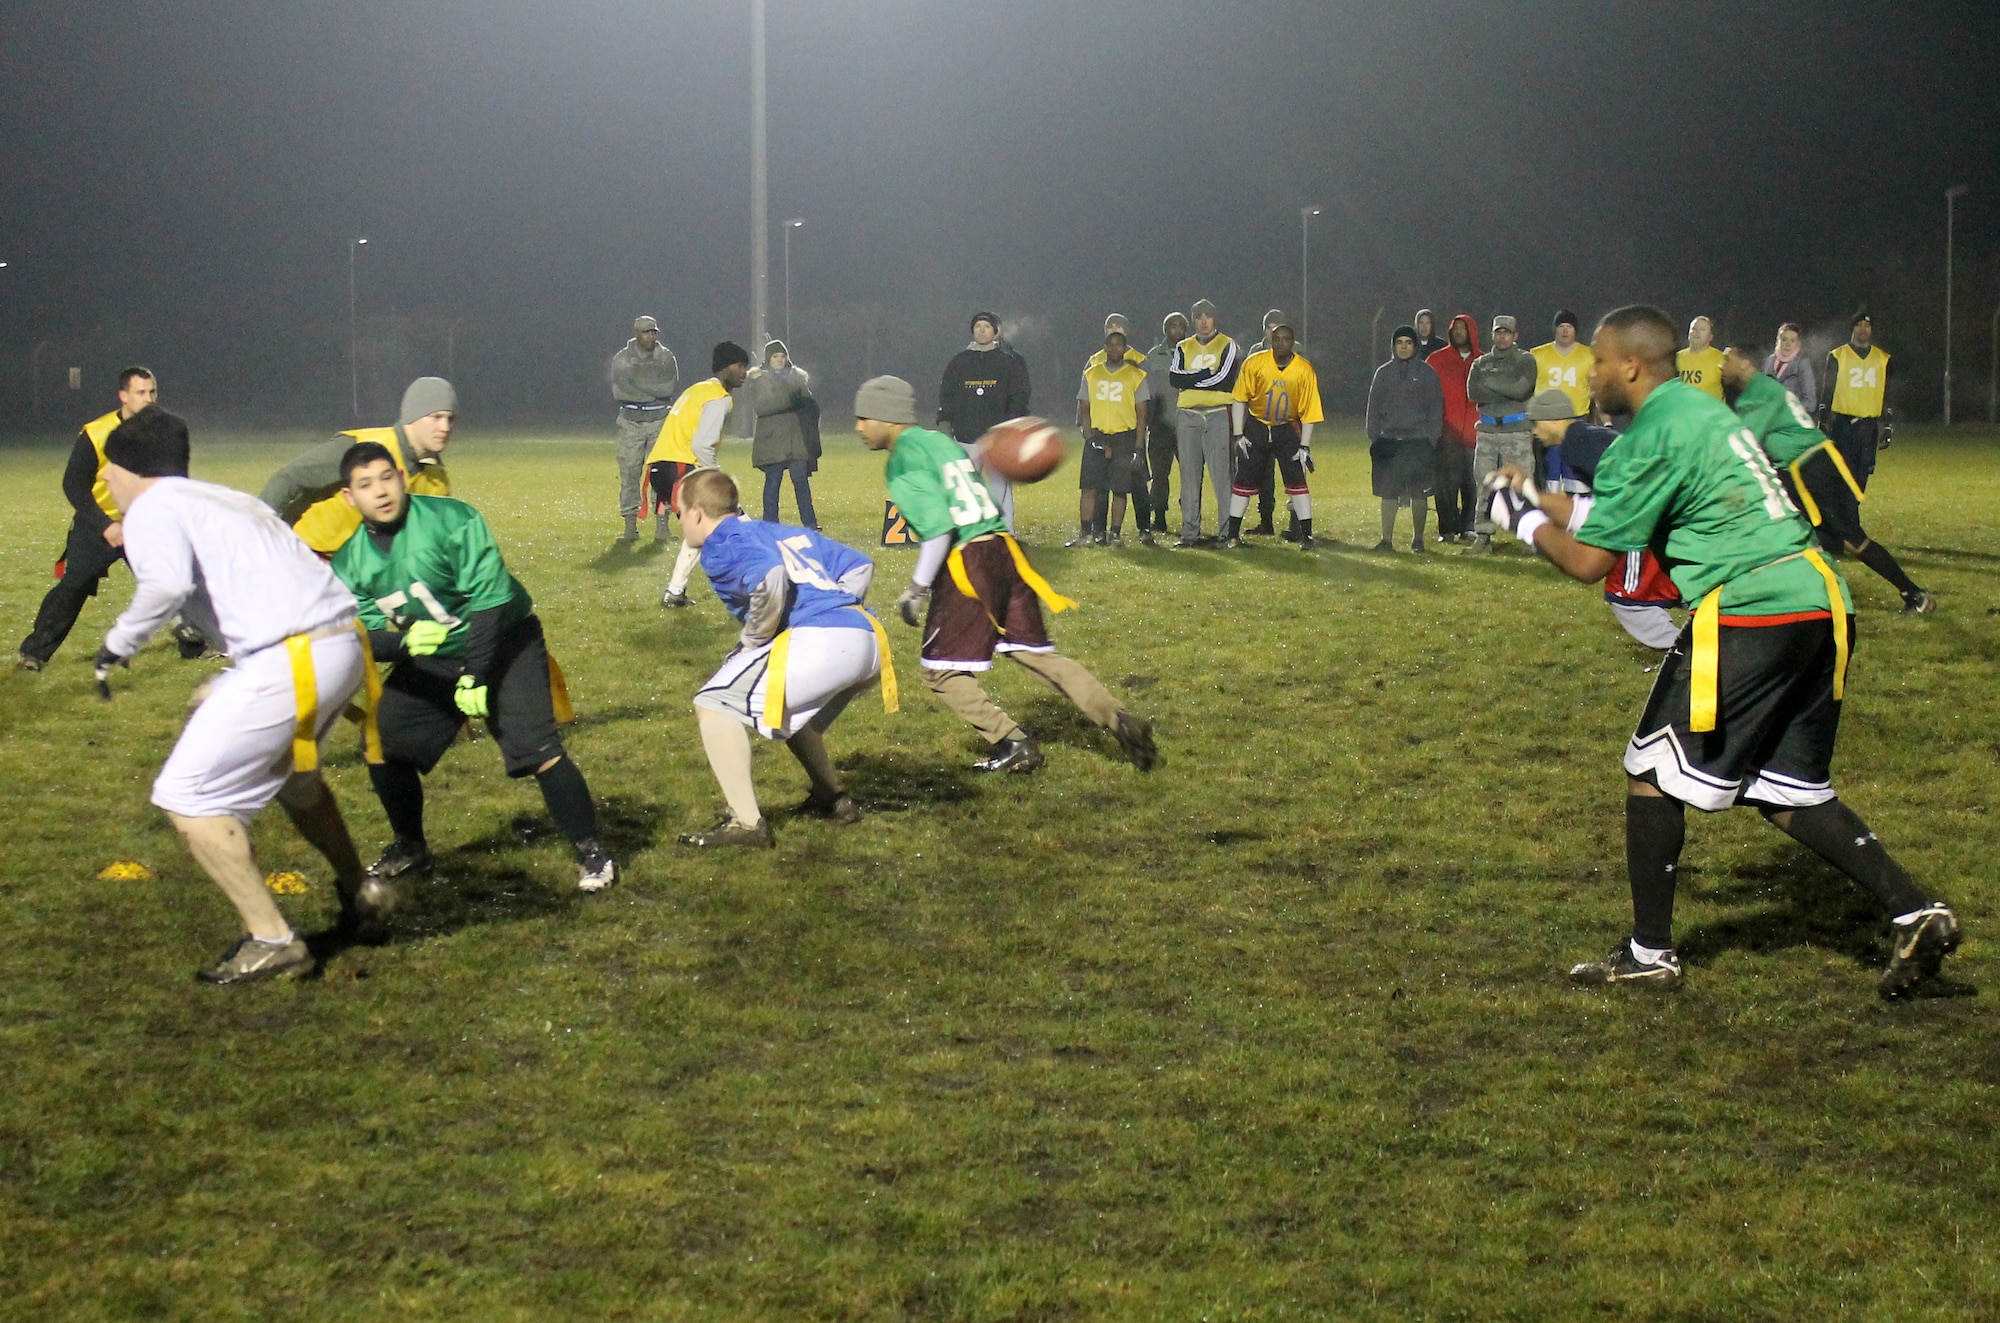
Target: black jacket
(982,387)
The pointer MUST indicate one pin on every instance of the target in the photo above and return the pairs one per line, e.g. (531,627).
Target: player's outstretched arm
(1545,520)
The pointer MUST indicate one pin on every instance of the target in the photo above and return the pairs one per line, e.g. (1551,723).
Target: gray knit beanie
(426,396)
(1551,406)
(886,400)
(1202,308)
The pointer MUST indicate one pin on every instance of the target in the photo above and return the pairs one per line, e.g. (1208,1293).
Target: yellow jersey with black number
(1114,396)
(1859,383)
(1131,356)
(99,431)
(1568,373)
(1701,369)
(676,439)
(326,525)
(1213,366)
(1279,395)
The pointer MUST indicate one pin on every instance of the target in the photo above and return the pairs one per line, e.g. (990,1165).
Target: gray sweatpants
(636,434)
(1496,450)
(1204,437)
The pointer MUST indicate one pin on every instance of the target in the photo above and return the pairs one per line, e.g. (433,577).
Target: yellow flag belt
(1052,599)
(781,653)
(1839,462)
(1706,663)
(305,698)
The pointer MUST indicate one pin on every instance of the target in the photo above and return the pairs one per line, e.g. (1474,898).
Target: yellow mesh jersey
(326,525)
(1113,396)
(99,431)
(1702,370)
(1204,358)
(676,439)
(1279,395)
(1568,373)
(1859,383)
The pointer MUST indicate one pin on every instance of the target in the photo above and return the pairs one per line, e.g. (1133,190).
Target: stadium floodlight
(1951,197)
(353,341)
(790,225)
(1305,257)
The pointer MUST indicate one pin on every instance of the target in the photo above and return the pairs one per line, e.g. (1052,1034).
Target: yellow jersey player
(1700,364)
(688,441)
(1276,403)
(1112,405)
(306,492)
(1203,373)
(1857,414)
(1563,364)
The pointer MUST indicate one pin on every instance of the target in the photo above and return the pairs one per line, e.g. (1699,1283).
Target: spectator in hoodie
(1501,382)
(1405,420)
(1565,366)
(781,394)
(1162,439)
(985,383)
(1788,363)
(1452,482)
(1203,375)
(1427,340)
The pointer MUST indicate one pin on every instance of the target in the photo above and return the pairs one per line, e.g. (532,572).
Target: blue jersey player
(807,648)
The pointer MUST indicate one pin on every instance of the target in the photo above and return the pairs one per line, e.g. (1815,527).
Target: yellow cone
(125,870)
(286,884)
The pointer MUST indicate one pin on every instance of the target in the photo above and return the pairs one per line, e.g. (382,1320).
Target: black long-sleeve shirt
(79,480)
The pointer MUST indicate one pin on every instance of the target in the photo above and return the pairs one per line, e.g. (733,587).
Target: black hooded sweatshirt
(982,387)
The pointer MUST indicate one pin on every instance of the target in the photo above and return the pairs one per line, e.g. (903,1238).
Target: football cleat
(1384,545)
(1478,546)
(1081,540)
(1146,538)
(1306,542)
(1019,754)
(412,857)
(840,810)
(1135,737)
(1920,948)
(1919,603)
(1186,543)
(253,960)
(1114,538)
(1262,530)
(1417,545)
(672,598)
(594,869)
(1621,966)
(731,832)
(1230,543)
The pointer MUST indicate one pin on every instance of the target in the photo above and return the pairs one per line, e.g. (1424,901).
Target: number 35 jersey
(1688,479)
(938,489)
(442,564)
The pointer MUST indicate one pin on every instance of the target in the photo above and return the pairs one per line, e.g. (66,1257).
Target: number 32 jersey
(442,565)
(938,488)
(1689,480)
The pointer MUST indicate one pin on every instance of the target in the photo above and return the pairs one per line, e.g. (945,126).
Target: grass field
(1278,1032)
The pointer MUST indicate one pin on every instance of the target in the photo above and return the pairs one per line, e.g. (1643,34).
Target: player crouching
(807,647)
(223,561)
(438,602)
(992,598)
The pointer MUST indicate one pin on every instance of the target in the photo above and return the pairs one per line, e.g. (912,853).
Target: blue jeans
(774,481)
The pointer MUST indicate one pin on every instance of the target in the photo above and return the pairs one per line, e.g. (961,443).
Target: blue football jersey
(741,553)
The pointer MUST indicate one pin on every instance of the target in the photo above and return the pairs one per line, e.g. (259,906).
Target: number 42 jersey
(938,488)
(441,565)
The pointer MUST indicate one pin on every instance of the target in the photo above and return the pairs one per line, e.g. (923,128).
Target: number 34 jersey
(1690,480)
(441,565)
(938,488)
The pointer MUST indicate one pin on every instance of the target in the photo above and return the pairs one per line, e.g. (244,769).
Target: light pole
(760,204)
(1951,197)
(1993,372)
(353,340)
(790,225)
(1305,257)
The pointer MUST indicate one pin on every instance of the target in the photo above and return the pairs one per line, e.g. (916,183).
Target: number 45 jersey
(827,578)
(442,564)
(938,488)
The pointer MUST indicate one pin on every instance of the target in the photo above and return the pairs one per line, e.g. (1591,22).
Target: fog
(180,185)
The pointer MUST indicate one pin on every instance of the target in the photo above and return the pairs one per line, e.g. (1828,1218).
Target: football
(1021,449)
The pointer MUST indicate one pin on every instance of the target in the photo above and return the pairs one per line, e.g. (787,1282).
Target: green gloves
(424,637)
(471,697)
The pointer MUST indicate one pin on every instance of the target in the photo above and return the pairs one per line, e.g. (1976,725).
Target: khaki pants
(636,434)
(961,692)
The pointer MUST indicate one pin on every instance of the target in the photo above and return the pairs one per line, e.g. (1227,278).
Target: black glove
(910,606)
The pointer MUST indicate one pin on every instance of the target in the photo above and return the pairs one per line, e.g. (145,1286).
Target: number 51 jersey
(938,488)
(442,565)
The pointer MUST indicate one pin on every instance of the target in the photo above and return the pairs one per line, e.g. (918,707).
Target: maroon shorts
(664,477)
(960,633)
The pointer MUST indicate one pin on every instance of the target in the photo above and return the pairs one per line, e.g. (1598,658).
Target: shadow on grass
(1937,555)
(611,716)
(624,555)
(894,782)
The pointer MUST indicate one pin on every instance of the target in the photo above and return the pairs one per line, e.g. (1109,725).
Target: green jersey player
(438,602)
(991,601)
(1747,703)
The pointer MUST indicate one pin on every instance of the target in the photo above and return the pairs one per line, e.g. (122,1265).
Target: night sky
(179,183)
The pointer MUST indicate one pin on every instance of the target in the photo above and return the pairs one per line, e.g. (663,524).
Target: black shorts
(419,717)
(1838,510)
(1107,462)
(664,477)
(1267,446)
(960,633)
(1776,718)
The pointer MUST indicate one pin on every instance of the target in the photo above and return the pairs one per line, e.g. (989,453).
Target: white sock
(1907,919)
(683,567)
(277,941)
(1647,955)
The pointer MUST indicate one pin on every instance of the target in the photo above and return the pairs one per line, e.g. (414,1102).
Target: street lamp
(353,354)
(790,225)
(1305,253)
(1951,197)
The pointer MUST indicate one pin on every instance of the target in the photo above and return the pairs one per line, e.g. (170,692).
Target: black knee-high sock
(1837,834)
(1877,558)
(400,787)
(568,796)
(1655,831)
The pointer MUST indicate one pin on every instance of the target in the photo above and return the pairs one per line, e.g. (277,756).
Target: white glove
(910,606)
(1243,446)
(1305,459)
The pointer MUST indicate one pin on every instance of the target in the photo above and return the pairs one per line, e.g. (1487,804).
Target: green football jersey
(1688,479)
(443,565)
(1782,425)
(938,489)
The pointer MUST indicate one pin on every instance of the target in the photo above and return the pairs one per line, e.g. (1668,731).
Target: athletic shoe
(1020,754)
(1186,543)
(26,663)
(1621,966)
(412,857)
(1135,737)
(1920,947)
(731,832)
(1083,540)
(672,598)
(594,870)
(1263,530)
(840,810)
(1112,539)
(1479,546)
(1920,603)
(629,535)
(1306,543)
(1385,545)
(1291,534)
(1146,538)
(1417,545)
(660,529)
(252,960)
(1229,543)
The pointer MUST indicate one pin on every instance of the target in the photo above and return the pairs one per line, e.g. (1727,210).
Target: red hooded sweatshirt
(1461,415)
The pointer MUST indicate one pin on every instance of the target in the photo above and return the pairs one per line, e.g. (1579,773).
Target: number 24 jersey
(938,488)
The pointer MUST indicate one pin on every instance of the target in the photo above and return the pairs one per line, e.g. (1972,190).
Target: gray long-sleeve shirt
(1501,383)
(315,475)
(641,378)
